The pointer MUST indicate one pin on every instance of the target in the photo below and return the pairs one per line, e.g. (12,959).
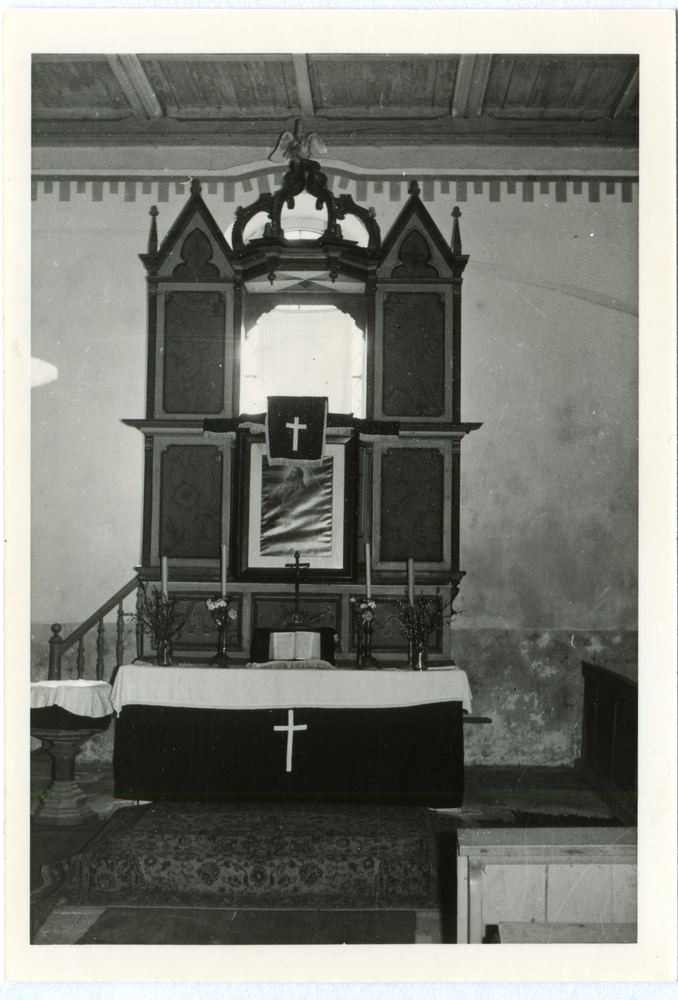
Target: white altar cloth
(81,697)
(197,687)
(292,665)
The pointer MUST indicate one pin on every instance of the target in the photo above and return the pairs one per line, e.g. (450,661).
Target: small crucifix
(290,729)
(297,567)
(295,428)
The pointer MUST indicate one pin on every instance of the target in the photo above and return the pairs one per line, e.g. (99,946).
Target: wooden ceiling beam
(303,85)
(481,74)
(470,85)
(67,57)
(81,114)
(227,115)
(549,114)
(462,86)
(215,57)
(627,96)
(398,113)
(136,86)
(621,132)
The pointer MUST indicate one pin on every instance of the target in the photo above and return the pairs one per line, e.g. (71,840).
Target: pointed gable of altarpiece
(192,305)
(418,319)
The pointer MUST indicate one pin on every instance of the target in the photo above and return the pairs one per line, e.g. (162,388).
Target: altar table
(308,735)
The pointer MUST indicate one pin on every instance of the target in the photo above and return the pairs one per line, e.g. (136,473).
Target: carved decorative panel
(275,611)
(412,505)
(190,502)
(195,348)
(413,376)
(386,631)
(200,631)
(414,255)
(196,253)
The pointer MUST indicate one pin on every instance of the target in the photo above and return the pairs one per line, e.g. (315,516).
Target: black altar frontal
(393,737)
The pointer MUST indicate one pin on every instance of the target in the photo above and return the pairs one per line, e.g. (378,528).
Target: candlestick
(224,561)
(164,578)
(368,568)
(410,580)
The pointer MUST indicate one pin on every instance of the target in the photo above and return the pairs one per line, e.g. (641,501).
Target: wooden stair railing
(58,646)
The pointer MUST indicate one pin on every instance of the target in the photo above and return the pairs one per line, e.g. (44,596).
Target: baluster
(55,650)
(140,631)
(120,643)
(101,645)
(81,657)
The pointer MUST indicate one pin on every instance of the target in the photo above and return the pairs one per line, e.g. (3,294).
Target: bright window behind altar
(304,351)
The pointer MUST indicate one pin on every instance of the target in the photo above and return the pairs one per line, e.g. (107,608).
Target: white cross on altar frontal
(290,729)
(296,427)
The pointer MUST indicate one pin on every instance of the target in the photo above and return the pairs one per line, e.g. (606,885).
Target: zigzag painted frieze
(458,186)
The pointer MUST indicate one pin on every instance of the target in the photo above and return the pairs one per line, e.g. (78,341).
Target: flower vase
(419,656)
(363,618)
(164,653)
(363,653)
(221,659)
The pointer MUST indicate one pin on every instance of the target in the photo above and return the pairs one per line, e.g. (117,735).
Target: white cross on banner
(295,429)
(290,729)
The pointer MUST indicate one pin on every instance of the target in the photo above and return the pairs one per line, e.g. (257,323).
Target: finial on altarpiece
(456,235)
(297,147)
(153,235)
(196,186)
(414,188)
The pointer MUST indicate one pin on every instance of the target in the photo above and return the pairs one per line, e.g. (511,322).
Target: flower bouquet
(222,612)
(418,622)
(157,617)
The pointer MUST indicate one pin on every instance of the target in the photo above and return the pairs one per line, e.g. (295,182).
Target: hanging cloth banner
(295,429)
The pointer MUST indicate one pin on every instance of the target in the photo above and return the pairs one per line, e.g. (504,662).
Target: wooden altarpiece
(405,295)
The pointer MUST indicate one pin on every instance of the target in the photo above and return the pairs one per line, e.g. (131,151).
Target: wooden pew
(564,875)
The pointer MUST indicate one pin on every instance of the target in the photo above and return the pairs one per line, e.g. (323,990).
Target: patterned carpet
(257,856)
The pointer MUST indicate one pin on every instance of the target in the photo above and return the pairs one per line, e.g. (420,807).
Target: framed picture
(283,509)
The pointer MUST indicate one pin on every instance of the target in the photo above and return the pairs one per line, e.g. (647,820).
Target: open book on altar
(294,646)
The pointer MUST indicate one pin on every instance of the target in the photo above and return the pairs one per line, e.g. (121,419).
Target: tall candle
(224,561)
(368,568)
(410,580)
(164,578)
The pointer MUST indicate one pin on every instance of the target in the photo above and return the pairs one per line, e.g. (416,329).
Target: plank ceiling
(348,99)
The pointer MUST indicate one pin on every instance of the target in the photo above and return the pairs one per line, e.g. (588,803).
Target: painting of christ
(296,509)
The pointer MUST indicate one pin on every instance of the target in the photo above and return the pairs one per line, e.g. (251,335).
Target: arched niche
(255,305)
(305,349)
